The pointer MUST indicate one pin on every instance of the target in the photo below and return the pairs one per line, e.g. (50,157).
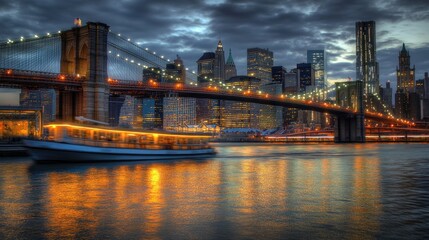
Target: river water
(247,191)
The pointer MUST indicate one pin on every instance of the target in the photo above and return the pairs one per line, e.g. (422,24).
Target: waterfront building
(366,58)
(230,69)
(20,122)
(271,116)
(259,64)
(41,98)
(242,114)
(317,58)
(177,110)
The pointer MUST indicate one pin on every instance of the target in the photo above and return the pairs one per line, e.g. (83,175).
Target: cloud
(288,28)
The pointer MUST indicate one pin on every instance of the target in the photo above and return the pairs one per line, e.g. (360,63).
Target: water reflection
(335,193)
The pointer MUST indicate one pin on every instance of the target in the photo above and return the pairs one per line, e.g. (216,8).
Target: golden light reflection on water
(145,199)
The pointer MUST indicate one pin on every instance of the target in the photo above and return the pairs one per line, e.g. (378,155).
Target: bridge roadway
(29,79)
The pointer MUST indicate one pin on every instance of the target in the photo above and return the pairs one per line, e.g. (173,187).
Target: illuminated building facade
(271,116)
(178,110)
(404,73)
(405,87)
(41,98)
(242,114)
(318,62)
(259,64)
(306,76)
(20,122)
(366,60)
(208,110)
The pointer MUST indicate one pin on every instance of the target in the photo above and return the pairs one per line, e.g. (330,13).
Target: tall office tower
(366,60)
(306,76)
(219,66)
(177,111)
(259,64)
(230,70)
(208,110)
(271,116)
(278,74)
(405,85)
(42,98)
(404,73)
(318,62)
(420,88)
(115,105)
(387,95)
(291,88)
(242,114)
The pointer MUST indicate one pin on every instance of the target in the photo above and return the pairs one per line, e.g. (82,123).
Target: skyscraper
(317,60)
(405,87)
(259,63)
(242,114)
(404,73)
(208,110)
(177,110)
(219,66)
(230,70)
(366,60)
(306,76)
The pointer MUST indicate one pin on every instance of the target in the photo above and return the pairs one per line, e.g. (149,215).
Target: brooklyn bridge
(88,63)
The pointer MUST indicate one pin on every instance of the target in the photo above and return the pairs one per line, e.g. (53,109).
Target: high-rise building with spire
(406,99)
(230,70)
(404,73)
(219,66)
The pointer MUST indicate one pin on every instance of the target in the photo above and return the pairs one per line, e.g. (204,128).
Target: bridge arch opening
(83,60)
(71,64)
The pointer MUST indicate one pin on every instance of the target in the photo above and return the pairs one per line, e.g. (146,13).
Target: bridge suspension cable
(39,53)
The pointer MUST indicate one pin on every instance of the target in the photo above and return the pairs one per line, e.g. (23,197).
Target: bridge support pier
(69,105)
(84,53)
(349,129)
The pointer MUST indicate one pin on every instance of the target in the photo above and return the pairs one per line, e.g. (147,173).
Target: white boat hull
(48,151)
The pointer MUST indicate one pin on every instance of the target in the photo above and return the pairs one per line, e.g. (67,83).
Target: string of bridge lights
(32,37)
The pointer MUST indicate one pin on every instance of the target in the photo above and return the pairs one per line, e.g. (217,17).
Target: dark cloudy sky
(289,28)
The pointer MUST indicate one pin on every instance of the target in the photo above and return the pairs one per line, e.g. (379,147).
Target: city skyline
(192,28)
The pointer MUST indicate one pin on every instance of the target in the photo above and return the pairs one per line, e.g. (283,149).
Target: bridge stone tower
(350,128)
(84,53)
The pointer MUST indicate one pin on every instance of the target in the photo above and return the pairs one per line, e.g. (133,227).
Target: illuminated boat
(82,143)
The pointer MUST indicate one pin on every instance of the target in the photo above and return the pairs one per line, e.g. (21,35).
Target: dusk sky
(288,28)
